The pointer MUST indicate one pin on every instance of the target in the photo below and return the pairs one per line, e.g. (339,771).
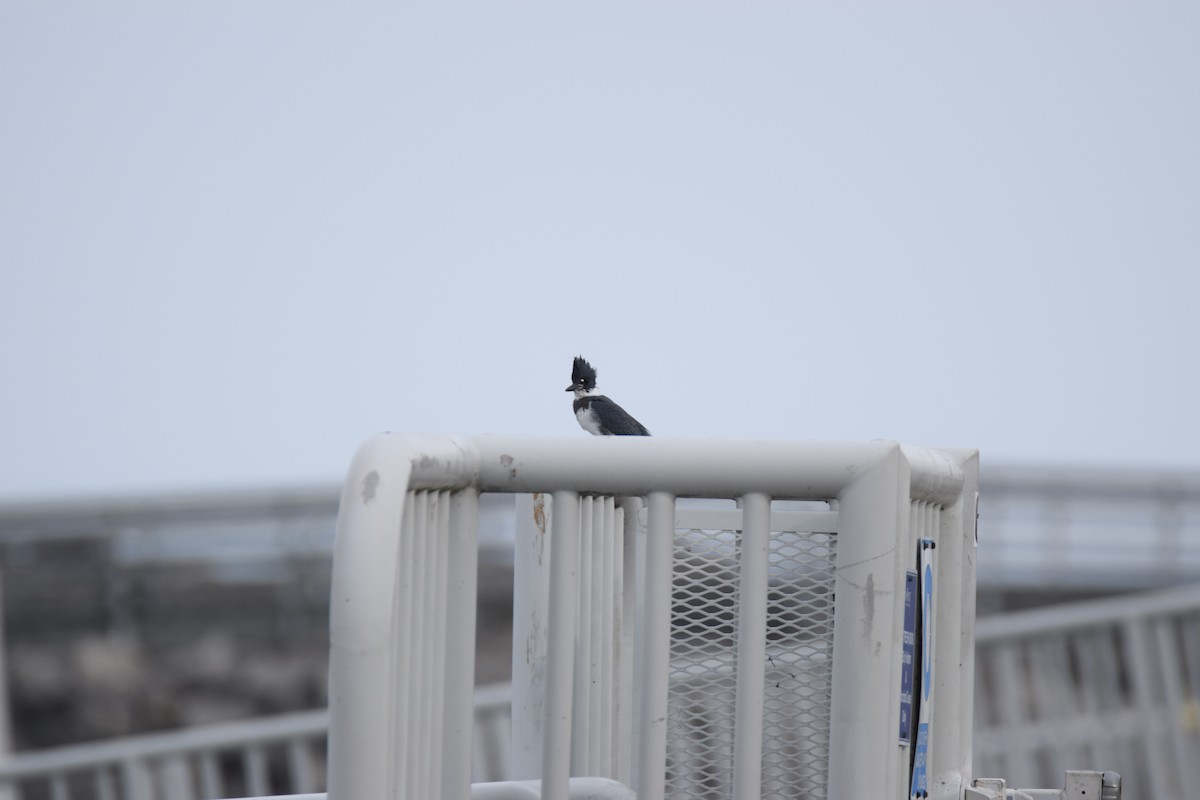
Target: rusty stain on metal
(539,512)
(539,519)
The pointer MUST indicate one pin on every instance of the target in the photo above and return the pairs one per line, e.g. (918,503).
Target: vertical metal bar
(560,661)
(1169,662)
(1137,651)
(751,647)
(435,657)
(176,778)
(403,643)
(412,662)
(1012,703)
(531,604)
(503,749)
(58,787)
(598,673)
(492,752)
(136,779)
(967,515)
(211,784)
(462,573)
(419,678)
(255,761)
(611,632)
(1093,652)
(945,762)
(864,717)
(624,727)
(1190,637)
(106,787)
(581,707)
(300,768)
(655,648)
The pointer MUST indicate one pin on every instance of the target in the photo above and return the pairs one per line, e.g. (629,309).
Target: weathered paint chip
(369,485)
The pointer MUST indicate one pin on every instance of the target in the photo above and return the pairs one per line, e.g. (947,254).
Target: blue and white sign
(920,782)
(908,664)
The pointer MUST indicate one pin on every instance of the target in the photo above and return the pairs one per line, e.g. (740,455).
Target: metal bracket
(1079,785)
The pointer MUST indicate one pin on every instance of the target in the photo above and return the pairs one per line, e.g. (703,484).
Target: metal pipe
(412,674)
(751,647)
(864,718)
(582,724)
(462,573)
(626,465)
(531,606)
(560,661)
(655,649)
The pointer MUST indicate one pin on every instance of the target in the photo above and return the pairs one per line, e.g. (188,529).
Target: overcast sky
(237,238)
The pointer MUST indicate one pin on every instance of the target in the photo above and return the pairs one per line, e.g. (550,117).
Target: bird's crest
(583,373)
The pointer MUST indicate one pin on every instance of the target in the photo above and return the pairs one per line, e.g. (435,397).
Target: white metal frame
(403,599)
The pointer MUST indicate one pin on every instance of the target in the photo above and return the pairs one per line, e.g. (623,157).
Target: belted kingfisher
(597,414)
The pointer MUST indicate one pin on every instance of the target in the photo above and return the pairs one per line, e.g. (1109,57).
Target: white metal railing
(1112,682)
(612,684)
(402,618)
(203,762)
(284,753)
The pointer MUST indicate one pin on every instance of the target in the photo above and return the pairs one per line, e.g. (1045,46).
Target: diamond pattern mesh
(704,656)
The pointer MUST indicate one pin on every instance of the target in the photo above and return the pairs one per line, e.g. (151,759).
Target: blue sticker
(906,664)
(927,633)
(920,787)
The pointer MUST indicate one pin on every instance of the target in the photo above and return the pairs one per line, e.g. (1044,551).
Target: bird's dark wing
(615,419)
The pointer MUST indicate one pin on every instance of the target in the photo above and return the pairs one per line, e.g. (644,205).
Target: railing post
(654,652)
(864,713)
(560,661)
(176,778)
(751,647)
(462,586)
(136,780)
(531,601)
(625,725)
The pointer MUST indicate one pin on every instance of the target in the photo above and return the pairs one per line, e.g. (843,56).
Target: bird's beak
(573,387)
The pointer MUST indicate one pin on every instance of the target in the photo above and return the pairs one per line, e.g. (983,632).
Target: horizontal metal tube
(682,467)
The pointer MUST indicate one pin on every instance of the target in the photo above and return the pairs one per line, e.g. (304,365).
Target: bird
(597,414)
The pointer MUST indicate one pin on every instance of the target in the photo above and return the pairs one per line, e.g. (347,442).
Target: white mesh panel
(703,658)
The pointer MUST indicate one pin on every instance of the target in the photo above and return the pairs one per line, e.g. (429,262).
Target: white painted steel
(389,610)
(531,608)
(655,646)
(579,789)
(953,527)
(560,645)
(751,647)
(398,600)
(462,577)
(866,644)
(626,615)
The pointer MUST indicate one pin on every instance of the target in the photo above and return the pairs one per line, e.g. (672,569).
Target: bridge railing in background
(251,757)
(1113,682)
(1094,530)
(281,754)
